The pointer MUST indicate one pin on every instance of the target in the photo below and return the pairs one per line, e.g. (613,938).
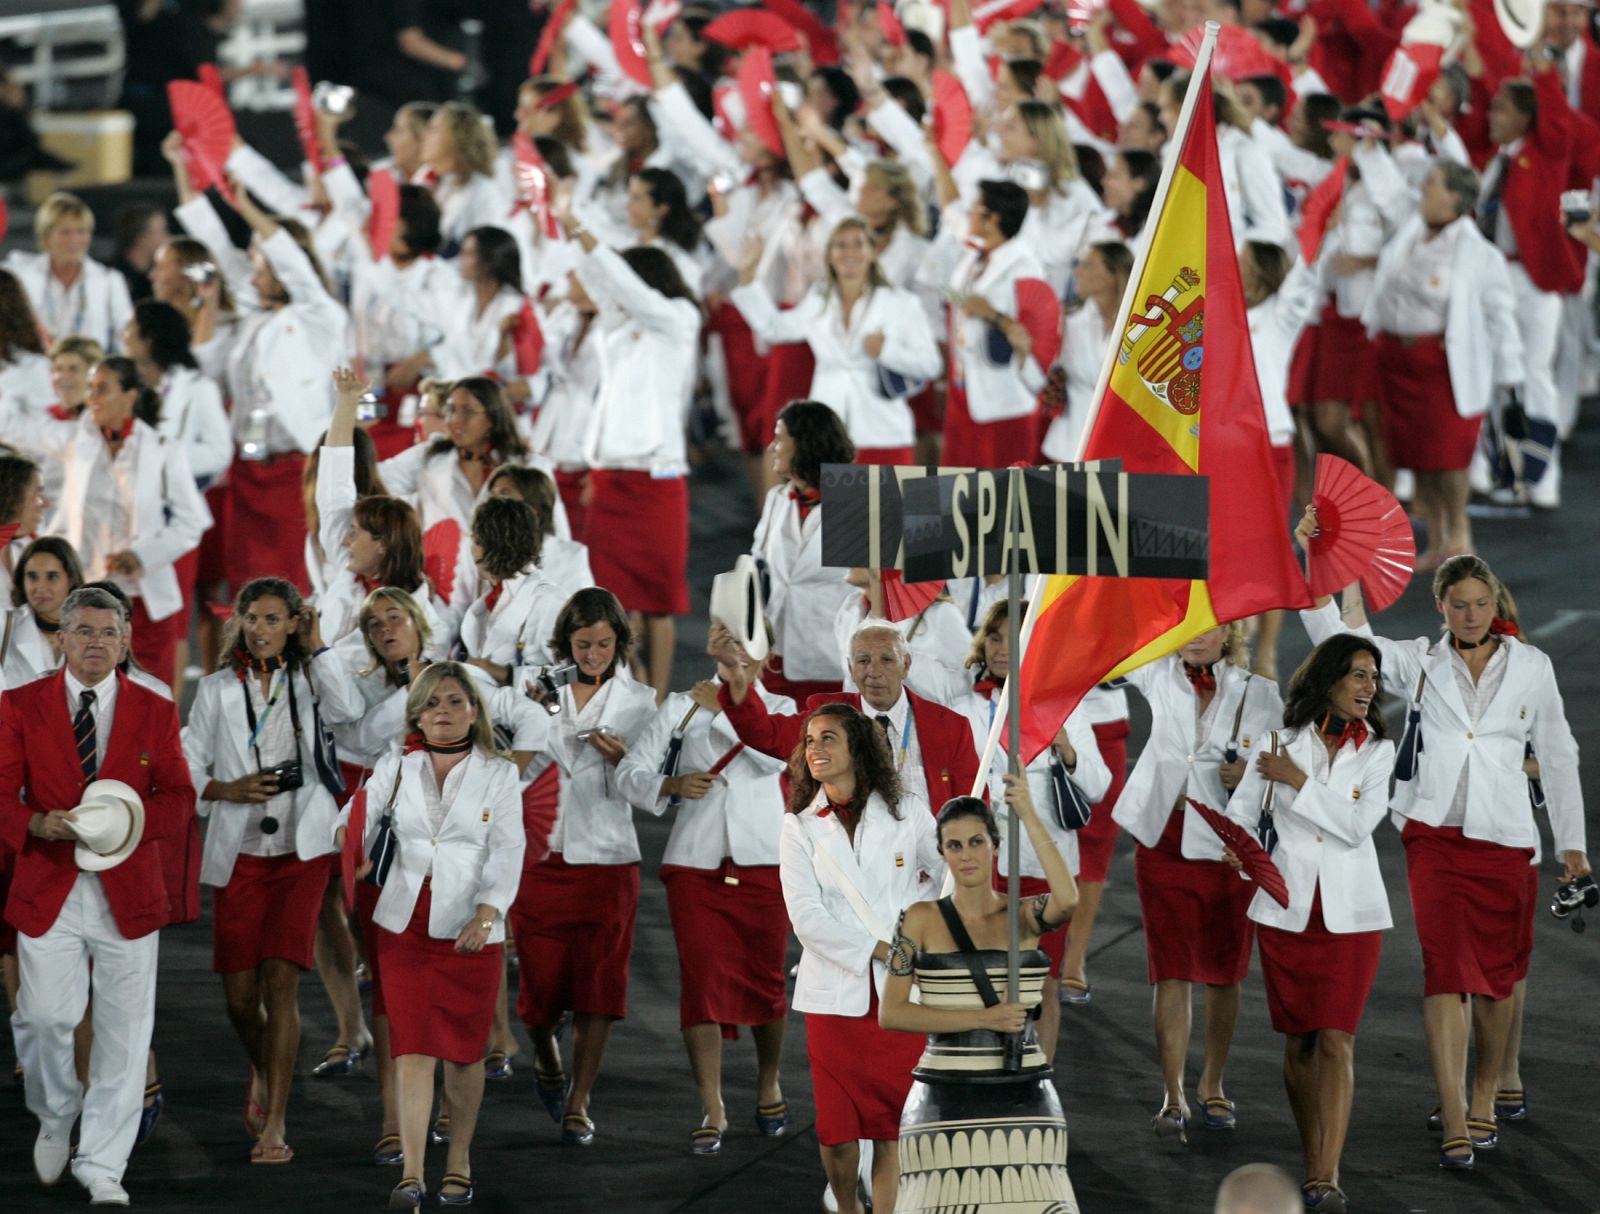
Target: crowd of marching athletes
(408,477)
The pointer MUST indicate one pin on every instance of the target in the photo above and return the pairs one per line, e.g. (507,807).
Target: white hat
(109,824)
(739,606)
(1522,21)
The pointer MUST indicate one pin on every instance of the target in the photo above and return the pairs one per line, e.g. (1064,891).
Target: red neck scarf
(486,457)
(987,686)
(805,500)
(1200,677)
(1342,731)
(116,434)
(848,813)
(1497,628)
(244,664)
(493,597)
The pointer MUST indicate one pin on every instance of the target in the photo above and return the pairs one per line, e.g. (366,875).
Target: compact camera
(1575,896)
(289,775)
(202,273)
(1577,206)
(332,98)
(370,409)
(551,680)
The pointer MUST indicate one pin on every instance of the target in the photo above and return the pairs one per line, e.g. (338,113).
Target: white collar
(896,712)
(102,690)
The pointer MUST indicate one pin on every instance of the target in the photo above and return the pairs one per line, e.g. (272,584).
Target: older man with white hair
(932,745)
(75,905)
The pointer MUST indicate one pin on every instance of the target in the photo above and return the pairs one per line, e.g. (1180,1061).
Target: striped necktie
(83,731)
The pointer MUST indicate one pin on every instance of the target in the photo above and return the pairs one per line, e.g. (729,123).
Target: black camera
(1575,896)
(289,775)
(551,680)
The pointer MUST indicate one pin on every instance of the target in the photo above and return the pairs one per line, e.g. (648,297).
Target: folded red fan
(383,192)
(305,119)
(1258,866)
(547,37)
(889,25)
(527,339)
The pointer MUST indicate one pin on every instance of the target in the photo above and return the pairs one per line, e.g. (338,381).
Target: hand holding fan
(206,124)
(952,116)
(533,181)
(1258,866)
(1363,534)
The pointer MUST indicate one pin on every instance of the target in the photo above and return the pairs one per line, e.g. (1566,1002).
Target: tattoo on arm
(1038,907)
(901,950)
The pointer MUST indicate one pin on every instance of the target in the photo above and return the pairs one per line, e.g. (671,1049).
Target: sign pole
(1014,734)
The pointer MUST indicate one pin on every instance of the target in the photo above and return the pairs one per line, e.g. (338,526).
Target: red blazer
(39,772)
(945,737)
(1589,88)
(1532,195)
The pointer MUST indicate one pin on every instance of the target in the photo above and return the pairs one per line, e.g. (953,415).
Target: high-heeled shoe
(1511,1104)
(155,1101)
(407,1195)
(772,1119)
(439,1135)
(1325,1197)
(463,1189)
(1484,1132)
(1171,1123)
(1450,1157)
(497,1065)
(1219,1114)
(388,1153)
(339,1061)
(552,1091)
(577,1130)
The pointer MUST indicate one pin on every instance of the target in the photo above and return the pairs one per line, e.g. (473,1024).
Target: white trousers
(1539,320)
(55,988)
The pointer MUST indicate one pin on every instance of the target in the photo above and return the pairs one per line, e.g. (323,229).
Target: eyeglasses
(450,411)
(86,633)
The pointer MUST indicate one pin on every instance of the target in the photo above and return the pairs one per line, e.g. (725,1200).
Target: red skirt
(974,444)
(1301,367)
(569,484)
(366,902)
(267,521)
(774,680)
(573,925)
(1317,979)
(747,376)
(541,802)
(1345,366)
(885,455)
(440,1002)
(1195,928)
(187,568)
(155,642)
(860,1075)
(733,944)
(1527,935)
(789,372)
(641,528)
(268,909)
(927,410)
(1420,424)
(1098,840)
(1474,906)
(212,561)
(1054,943)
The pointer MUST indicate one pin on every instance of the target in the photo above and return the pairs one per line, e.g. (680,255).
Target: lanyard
(905,742)
(257,726)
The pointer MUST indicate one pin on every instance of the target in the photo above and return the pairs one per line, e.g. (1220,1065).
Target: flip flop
(262,1153)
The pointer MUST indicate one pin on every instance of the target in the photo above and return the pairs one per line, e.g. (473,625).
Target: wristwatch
(486,924)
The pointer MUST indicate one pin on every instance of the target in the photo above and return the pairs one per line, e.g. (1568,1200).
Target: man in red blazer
(82,723)
(1566,29)
(932,745)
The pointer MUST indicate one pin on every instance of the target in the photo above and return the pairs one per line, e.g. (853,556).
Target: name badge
(486,817)
(1355,793)
(899,860)
(144,759)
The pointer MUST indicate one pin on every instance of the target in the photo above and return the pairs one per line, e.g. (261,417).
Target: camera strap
(257,726)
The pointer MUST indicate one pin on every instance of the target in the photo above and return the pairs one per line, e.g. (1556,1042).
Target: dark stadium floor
(644,1106)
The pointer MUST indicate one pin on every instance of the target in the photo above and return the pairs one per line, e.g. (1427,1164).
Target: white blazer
(995,391)
(1482,341)
(28,655)
(1252,188)
(594,821)
(192,414)
(561,424)
(742,815)
(106,304)
(1275,327)
(167,515)
(470,342)
(281,359)
(805,595)
(1526,708)
(651,352)
(25,382)
(1173,765)
(885,863)
(1057,230)
(475,202)
(1324,833)
(476,856)
(517,632)
(1083,349)
(846,376)
(216,743)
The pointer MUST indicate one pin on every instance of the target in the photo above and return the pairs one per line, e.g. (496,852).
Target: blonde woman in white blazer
(1324,790)
(252,730)
(291,335)
(574,917)
(804,597)
(638,491)
(1193,907)
(134,538)
(1482,696)
(455,819)
(73,295)
(871,342)
(723,891)
(1074,756)
(851,858)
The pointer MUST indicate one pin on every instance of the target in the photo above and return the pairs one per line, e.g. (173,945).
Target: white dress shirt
(105,708)
(1418,302)
(1477,697)
(275,743)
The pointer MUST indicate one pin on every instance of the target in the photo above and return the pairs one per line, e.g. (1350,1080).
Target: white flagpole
(1199,86)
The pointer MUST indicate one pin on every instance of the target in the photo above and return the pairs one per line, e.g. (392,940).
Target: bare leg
(209,626)
(335,953)
(842,1163)
(83,1043)
(1269,625)
(1491,1023)
(180,667)
(1222,1013)
(413,1074)
(1454,492)
(1444,1022)
(1173,1021)
(386,1077)
(1336,435)
(769,1054)
(704,1043)
(1336,1091)
(1081,928)
(1371,430)
(660,634)
(1511,1067)
(463,1088)
(885,1173)
(1300,1081)
(546,1052)
(1050,1017)
(280,984)
(501,1037)
(242,990)
(1305,455)
(590,1035)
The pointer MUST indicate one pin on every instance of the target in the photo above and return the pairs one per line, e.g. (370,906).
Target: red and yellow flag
(1182,398)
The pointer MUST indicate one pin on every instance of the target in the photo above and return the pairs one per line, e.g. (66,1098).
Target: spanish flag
(1179,395)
